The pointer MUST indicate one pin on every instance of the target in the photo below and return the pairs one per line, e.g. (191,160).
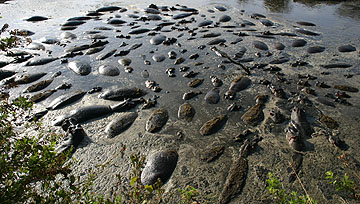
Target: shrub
(281,196)
(7,42)
(30,171)
(344,184)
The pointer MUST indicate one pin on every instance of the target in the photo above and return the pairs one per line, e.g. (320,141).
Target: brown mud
(271,154)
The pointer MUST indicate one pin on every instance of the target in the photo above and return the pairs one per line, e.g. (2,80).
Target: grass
(281,195)
(347,183)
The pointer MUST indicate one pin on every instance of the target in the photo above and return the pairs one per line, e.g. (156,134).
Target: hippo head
(298,115)
(230,94)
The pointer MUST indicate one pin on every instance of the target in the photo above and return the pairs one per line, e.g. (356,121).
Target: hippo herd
(260,62)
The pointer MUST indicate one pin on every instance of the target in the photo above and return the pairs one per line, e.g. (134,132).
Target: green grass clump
(28,166)
(344,184)
(9,41)
(280,195)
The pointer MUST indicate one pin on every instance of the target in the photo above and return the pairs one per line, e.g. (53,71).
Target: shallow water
(273,152)
(335,18)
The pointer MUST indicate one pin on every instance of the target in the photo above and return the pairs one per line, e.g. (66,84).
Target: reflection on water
(311,3)
(350,8)
(279,6)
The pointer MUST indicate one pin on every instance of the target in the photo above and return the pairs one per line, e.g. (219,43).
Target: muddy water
(273,153)
(335,18)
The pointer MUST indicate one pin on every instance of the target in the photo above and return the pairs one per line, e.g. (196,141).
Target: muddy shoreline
(299,71)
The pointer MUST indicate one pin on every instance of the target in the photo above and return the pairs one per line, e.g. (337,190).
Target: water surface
(335,23)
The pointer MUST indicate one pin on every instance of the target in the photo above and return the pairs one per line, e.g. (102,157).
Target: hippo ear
(68,122)
(65,124)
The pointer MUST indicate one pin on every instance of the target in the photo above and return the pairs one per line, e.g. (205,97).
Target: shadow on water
(350,9)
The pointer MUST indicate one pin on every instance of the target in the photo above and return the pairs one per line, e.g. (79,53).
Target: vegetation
(29,170)
(32,173)
(188,195)
(7,42)
(344,184)
(12,38)
(154,194)
(282,196)
(348,183)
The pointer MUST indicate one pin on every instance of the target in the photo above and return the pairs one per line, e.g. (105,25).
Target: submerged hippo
(75,134)
(159,166)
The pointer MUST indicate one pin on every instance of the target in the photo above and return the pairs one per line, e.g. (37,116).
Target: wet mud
(157,60)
